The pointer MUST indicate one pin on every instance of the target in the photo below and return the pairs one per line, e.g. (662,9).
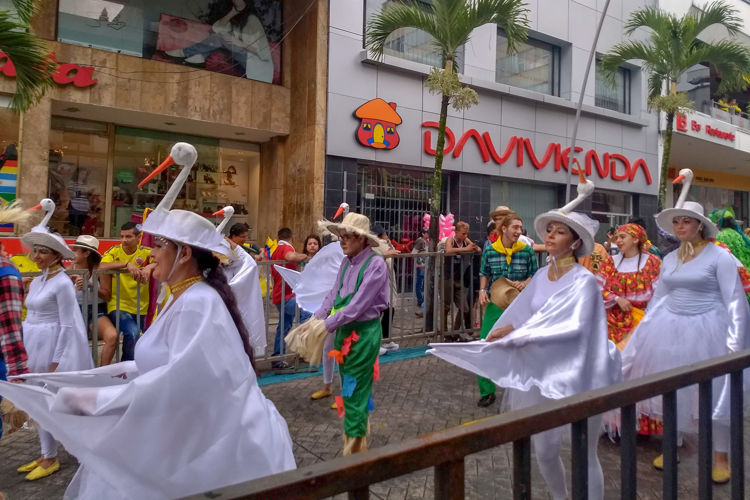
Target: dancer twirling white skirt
(699,311)
(550,343)
(189,415)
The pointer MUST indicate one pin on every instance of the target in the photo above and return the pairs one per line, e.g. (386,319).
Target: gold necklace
(179,288)
(688,250)
(565,261)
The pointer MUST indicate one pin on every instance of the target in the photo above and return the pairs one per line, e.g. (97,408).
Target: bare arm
(105,287)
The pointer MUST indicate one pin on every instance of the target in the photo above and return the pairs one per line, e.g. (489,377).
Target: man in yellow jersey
(134,258)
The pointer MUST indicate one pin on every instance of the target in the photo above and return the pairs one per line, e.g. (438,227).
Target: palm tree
(672,49)
(28,54)
(450,24)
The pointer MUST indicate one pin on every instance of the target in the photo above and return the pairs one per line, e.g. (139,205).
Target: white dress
(558,348)
(242,274)
(699,311)
(189,418)
(53,331)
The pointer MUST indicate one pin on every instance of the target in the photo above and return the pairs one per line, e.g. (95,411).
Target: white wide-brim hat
(691,209)
(187,228)
(584,226)
(87,242)
(40,235)
(354,223)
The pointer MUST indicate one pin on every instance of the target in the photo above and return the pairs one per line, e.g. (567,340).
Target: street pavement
(414,396)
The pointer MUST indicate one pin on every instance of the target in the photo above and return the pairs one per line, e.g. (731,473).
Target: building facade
(512,148)
(245,86)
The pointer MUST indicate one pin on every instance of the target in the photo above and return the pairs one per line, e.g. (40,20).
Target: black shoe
(451,338)
(281,365)
(465,337)
(486,401)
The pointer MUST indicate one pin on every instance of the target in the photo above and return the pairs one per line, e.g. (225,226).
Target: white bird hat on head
(181,226)
(41,234)
(584,226)
(684,208)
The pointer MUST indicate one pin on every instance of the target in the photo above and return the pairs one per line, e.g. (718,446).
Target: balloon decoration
(446,225)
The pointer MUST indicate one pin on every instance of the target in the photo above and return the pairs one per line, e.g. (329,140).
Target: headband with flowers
(636,231)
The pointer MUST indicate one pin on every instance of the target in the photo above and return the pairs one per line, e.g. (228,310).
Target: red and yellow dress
(633,279)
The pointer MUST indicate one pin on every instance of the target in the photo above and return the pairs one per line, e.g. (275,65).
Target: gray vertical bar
(267,301)
(522,469)
(669,446)
(704,440)
(85,306)
(737,457)
(579,432)
(95,316)
(138,307)
(282,311)
(628,463)
(117,315)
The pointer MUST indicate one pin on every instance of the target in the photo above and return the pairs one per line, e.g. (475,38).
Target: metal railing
(738,118)
(446,450)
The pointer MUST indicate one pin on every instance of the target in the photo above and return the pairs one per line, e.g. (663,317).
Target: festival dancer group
(187,415)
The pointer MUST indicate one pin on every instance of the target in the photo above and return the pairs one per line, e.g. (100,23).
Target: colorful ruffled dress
(633,279)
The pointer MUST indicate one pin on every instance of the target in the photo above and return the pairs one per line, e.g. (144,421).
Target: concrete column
(33,154)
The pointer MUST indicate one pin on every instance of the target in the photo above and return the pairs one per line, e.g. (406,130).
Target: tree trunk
(665,162)
(435,204)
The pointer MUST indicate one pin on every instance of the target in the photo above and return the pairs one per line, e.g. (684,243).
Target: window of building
(409,43)
(534,66)
(208,34)
(617,97)
(527,200)
(611,209)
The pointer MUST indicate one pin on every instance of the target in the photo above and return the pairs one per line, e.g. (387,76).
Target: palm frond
(717,12)
(510,15)
(624,52)
(28,54)
(393,17)
(24,9)
(653,18)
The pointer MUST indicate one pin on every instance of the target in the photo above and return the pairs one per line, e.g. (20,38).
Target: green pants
(358,365)
(491,314)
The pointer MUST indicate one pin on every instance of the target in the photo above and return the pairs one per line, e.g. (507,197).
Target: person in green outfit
(351,311)
(506,257)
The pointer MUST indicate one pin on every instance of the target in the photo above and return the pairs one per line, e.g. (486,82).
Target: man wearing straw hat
(352,310)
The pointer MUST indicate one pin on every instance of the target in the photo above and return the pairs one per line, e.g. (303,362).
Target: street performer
(351,311)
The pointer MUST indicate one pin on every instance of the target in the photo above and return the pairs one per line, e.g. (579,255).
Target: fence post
(449,480)
(736,456)
(579,433)
(704,440)
(522,469)
(628,486)
(669,446)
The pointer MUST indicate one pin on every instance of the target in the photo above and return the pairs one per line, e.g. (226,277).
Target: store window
(717,198)
(617,97)
(611,209)
(9,122)
(534,66)
(527,200)
(78,176)
(409,43)
(235,37)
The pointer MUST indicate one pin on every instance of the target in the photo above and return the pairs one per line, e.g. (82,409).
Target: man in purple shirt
(351,312)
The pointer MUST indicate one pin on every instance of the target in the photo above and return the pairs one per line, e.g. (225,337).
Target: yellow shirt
(25,265)
(128,286)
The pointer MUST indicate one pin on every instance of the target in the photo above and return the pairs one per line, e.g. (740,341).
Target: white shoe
(196,59)
(383,351)
(175,53)
(391,346)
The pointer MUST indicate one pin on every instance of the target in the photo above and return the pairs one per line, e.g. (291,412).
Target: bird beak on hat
(581,177)
(168,162)
(218,213)
(38,206)
(338,213)
(678,179)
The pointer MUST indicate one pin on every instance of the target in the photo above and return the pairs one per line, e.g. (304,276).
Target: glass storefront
(235,37)
(713,198)
(8,154)
(527,200)
(611,209)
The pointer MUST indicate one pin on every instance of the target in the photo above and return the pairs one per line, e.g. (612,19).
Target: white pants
(721,437)
(48,443)
(328,363)
(547,450)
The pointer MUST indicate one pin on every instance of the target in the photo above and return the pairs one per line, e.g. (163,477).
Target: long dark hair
(219,8)
(208,265)
(92,260)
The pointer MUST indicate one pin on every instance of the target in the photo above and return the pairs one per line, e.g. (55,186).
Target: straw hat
(354,223)
(41,236)
(500,211)
(502,293)
(87,242)
(584,226)
(187,228)
(690,209)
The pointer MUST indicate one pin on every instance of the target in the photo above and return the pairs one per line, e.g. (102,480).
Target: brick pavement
(413,397)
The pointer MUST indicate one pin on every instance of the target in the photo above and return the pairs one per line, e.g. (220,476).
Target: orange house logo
(378,122)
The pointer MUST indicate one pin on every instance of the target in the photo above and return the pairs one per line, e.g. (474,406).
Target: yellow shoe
(41,472)
(659,462)
(27,467)
(333,406)
(321,394)
(720,475)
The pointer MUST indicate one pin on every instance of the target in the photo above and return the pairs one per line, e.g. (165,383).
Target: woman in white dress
(187,415)
(53,332)
(699,311)
(557,322)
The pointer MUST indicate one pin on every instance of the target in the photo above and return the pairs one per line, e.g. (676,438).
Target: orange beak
(338,212)
(217,213)
(37,207)
(168,162)
(678,179)
(581,177)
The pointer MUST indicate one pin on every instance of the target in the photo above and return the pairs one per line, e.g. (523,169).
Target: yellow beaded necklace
(179,288)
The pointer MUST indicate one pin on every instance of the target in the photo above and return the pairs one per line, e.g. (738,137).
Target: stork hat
(691,209)
(87,242)
(584,226)
(41,236)
(353,223)
(187,228)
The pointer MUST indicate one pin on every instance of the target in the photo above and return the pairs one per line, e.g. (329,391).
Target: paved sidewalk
(413,397)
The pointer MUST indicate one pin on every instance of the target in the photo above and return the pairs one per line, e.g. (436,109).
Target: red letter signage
(65,73)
